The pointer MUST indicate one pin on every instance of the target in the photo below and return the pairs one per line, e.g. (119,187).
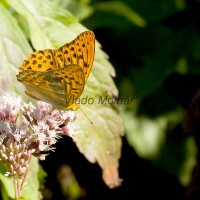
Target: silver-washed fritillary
(58,76)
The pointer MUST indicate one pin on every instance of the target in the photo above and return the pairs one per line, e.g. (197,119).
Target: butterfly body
(58,76)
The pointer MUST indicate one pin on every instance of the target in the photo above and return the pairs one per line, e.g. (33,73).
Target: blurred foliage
(154,47)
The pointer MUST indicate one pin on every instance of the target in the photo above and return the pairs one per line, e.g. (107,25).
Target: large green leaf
(52,26)
(80,9)
(13,49)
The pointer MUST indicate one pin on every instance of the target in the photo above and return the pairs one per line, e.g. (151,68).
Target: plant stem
(25,176)
(16,186)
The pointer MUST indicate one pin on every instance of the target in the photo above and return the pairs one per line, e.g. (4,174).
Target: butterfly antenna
(86,116)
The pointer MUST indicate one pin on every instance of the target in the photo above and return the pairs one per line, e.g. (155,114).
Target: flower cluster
(27,130)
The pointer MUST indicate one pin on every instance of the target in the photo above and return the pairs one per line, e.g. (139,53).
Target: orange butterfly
(58,76)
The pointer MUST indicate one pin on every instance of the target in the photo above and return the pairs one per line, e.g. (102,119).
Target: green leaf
(80,9)
(7,189)
(31,187)
(121,9)
(52,26)
(41,21)
(13,49)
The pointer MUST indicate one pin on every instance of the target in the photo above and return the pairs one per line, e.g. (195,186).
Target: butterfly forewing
(39,61)
(81,52)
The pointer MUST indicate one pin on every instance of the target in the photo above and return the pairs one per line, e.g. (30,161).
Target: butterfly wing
(39,61)
(45,86)
(72,77)
(80,52)
(61,88)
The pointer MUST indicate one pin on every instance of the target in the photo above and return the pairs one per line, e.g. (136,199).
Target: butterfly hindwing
(73,79)
(45,86)
(61,88)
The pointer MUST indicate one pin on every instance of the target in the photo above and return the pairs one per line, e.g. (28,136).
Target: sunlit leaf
(52,26)
(80,9)
(13,49)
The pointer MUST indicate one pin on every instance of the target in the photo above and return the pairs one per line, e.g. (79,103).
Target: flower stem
(25,176)
(16,185)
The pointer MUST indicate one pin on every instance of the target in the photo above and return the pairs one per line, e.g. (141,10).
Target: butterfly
(58,76)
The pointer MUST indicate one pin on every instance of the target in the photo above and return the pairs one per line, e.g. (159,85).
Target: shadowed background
(154,46)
